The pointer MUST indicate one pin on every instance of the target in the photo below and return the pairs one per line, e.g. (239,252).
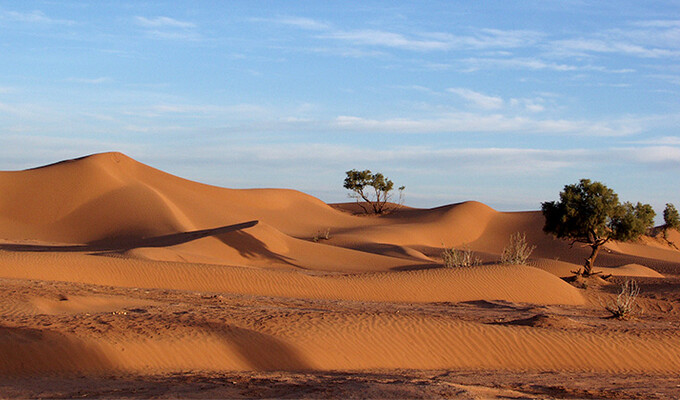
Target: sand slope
(109,202)
(110,221)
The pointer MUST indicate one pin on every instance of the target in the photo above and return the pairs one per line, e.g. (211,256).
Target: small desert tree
(373,189)
(670,218)
(590,213)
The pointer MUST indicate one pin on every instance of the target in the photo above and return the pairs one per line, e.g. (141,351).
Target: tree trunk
(590,261)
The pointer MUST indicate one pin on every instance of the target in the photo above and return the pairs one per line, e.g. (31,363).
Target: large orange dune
(116,236)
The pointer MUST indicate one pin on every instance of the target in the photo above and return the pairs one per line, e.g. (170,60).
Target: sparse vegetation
(322,235)
(373,189)
(671,219)
(518,251)
(625,306)
(459,258)
(590,213)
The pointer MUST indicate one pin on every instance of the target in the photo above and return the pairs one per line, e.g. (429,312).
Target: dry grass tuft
(459,258)
(518,251)
(322,235)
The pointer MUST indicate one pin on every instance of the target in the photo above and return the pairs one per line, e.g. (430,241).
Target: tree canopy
(671,218)
(590,212)
(373,189)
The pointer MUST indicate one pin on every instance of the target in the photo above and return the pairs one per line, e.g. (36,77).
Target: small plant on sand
(624,307)
(518,251)
(459,258)
(322,235)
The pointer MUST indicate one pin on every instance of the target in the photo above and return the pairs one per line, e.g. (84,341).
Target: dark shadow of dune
(261,351)
(416,267)
(384,249)
(122,244)
(26,351)
(249,246)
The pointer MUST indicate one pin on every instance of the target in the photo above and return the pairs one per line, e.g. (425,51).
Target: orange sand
(110,221)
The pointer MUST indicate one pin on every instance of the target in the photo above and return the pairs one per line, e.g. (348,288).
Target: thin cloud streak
(470,122)
(163,22)
(479,99)
(33,17)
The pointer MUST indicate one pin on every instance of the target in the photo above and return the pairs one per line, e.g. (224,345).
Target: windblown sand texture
(109,266)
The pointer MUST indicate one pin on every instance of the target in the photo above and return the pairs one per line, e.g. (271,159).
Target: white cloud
(166,28)
(429,41)
(582,47)
(33,17)
(479,99)
(498,123)
(660,23)
(653,154)
(531,105)
(303,23)
(163,22)
(489,39)
(388,39)
(91,81)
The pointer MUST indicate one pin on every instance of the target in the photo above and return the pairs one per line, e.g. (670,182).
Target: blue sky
(503,102)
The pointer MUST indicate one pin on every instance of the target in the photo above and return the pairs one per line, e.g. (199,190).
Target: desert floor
(119,280)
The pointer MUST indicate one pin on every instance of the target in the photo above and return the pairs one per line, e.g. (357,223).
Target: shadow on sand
(122,244)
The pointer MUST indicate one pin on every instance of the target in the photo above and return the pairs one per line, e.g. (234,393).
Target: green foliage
(374,189)
(583,213)
(631,222)
(518,251)
(590,212)
(459,258)
(671,218)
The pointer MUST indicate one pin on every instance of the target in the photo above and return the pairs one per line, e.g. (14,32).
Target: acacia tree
(373,189)
(590,213)
(671,219)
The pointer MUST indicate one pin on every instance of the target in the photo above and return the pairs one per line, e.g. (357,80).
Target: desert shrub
(459,258)
(624,307)
(517,251)
(322,235)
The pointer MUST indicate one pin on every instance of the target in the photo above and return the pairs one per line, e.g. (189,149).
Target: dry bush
(322,235)
(459,258)
(625,307)
(518,251)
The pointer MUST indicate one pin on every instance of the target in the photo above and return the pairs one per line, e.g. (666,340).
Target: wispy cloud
(669,155)
(167,28)
(583,47)
(33,17)
(90,81)
(163,22)
(663,141)
(302,23)
(645,39)
(388,39)
(430,41)
(497,123)
(533,63)
(479,99)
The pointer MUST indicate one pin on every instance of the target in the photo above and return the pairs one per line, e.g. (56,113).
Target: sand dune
(111,202)
(509,283)
(112,266)
(341,342)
